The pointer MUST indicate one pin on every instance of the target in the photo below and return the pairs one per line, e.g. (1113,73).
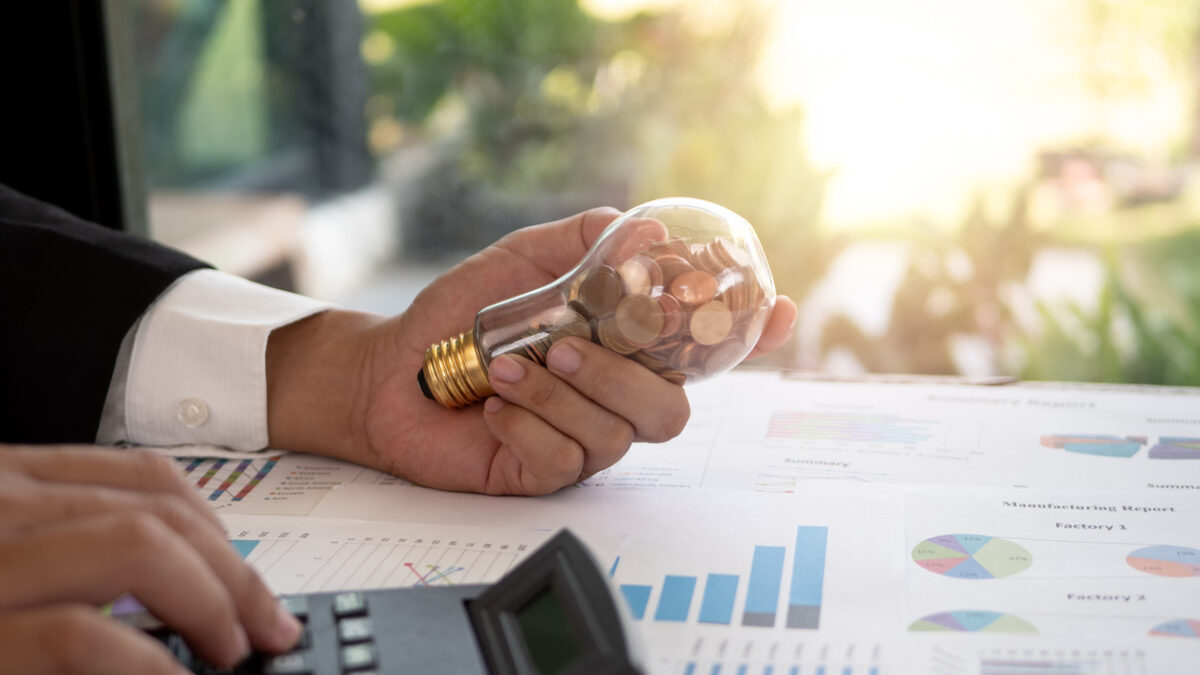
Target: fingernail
(563,359)
(506,369)
(287,628)
(493,404)
(241,643)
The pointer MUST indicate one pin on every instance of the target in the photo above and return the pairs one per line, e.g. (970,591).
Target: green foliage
(558,103)
(1138,332)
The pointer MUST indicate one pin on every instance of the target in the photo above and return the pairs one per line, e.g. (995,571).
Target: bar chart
(713,598)
(226,480)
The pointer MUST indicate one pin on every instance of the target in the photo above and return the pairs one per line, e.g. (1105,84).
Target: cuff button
(193,412)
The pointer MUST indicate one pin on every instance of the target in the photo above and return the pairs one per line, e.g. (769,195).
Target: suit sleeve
(69,291)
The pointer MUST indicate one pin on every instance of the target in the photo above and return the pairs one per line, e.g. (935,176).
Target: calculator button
(296,663)
(355,630)
(304,641)
(349,604)
(358,657)
(297,605)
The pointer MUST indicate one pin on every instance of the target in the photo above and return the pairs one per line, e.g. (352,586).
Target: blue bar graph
(762,593)
(676,598)
(808,578)
(637,597)
(244,546)
(761,606)
(717,604)
(690,670)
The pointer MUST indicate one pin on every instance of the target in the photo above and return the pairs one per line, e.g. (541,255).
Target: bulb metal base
(454,372)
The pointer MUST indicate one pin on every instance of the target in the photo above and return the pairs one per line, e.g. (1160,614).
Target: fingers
(534,457)
(72,639)
(556,247)
(778,328)
(142,497)
(123,469)
(134,554)
(581,413)
(657,409)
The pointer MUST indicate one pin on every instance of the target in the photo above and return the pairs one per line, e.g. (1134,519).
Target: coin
(673,316)
(694,288)
(675,377)
(600,291)
(682,358)
(639,274)
(710,323)
(729,253)
(640,319)
(572,324)
(611,338)
(671,266)
(703,259)
(724,356)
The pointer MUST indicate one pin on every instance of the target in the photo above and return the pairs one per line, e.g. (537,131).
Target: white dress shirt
(192,370)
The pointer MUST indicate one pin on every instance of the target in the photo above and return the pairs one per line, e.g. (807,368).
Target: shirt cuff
(197,368)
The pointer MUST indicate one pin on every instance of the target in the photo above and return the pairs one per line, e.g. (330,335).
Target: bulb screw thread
(453,373)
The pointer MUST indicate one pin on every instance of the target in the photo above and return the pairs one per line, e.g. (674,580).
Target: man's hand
(80,528)
(344,384)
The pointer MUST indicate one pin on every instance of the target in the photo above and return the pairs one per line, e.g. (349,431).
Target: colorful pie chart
(1095,444)
(1185,628)
(1166,561)
(973,620)
(971,556)
(1176,447)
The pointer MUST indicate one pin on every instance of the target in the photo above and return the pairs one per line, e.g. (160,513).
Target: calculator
(554,614)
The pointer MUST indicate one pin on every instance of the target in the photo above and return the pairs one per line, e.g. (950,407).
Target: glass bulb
(679,285)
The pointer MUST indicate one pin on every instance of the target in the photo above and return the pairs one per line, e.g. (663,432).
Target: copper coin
(611,338)
(600,291)
(730,253)
(580,309)
(640,319)
(675,377)
(694,288)
(710,323)
(574,326)
(655,363)
(673,316)
(672,266)
(724,356)
(706,259)
(636,235)
(663,347)
(682,357)
(640,274)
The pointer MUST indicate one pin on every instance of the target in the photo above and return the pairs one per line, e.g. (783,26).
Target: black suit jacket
(69,291)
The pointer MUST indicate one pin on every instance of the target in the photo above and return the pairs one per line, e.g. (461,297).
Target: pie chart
(971,556)
(1175,447)
(1185,628)
(1096,444)
(1166,561)
(973,620)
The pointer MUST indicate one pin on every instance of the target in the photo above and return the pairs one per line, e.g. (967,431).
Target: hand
(548,427)
(81,527)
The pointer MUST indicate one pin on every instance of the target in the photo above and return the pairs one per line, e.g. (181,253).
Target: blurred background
(995,187)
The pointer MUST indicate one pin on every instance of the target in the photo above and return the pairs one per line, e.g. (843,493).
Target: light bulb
(679,285)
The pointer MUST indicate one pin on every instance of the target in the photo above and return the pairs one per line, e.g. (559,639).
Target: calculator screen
(551,642)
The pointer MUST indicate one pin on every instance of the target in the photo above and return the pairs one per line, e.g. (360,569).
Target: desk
(806,527)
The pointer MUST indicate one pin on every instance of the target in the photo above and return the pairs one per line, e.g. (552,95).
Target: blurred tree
(564,111)
(952,287)
(1145,327)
